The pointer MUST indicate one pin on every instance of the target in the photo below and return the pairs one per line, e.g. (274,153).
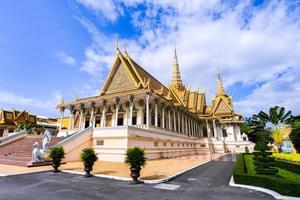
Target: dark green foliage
(261,123)
(135,157)
(290,166)
(88,156)
(276,116)
(294,121)
(263,163)
(261,146)
(280,185)
(295,138)
(56,154)
(260,135)
(24,126)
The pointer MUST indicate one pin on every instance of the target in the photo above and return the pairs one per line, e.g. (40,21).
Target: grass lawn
(281,174)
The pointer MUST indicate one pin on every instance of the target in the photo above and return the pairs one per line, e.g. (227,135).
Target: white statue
(46,140)
(39,154)
(35,152)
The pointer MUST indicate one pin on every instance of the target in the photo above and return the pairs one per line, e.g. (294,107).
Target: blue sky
(50,49)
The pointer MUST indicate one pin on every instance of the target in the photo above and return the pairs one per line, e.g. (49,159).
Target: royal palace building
(135,109)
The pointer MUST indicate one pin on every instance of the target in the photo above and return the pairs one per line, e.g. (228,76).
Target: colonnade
(147,112)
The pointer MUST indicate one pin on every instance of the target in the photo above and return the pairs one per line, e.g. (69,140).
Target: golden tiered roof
(126,76)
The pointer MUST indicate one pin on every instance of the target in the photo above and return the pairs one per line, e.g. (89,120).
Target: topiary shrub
(295,138)
(88,157)
(56,154)
(135,158)
(262,160)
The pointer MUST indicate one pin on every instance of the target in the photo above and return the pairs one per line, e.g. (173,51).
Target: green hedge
(290,166)
(282,186)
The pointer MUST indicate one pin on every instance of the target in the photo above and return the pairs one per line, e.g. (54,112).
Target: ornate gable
(222,107)
(121,81)
(120,78)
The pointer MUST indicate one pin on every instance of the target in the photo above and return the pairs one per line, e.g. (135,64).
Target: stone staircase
(19,152)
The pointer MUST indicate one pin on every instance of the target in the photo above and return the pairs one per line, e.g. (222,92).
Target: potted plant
(56,154)
(135,158)
(88,157)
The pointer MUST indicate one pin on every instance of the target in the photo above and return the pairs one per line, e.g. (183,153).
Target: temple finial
(117,43)
(124,46)
(62,101)
(220,88)
(176,77)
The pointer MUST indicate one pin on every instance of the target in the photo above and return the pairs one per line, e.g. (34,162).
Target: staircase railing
(12,138)
(72,137)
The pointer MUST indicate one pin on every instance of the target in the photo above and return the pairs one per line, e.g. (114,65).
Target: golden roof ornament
(62,101)
(176,77)
(220,88)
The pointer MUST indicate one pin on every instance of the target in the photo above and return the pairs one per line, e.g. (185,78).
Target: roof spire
(176,78)
(220,88)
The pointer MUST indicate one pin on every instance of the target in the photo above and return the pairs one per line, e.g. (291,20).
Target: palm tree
(278,135)
(272,123)
(276,117)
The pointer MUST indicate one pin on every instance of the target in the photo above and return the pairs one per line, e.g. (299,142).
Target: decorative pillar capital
(92,104)
(81,106)
(148,95)
(116,100)
(103,102)
(130,98)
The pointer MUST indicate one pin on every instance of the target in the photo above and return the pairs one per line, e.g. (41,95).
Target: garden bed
(285,182)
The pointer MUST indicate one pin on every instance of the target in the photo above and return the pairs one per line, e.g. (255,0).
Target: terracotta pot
(135,174)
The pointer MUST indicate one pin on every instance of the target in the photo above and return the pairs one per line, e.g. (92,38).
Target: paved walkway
(209,181)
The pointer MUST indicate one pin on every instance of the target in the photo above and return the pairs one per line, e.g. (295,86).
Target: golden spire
(62,101)
(220,89)
(176,78)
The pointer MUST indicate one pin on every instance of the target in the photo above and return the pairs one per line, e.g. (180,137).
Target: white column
(130,99)
(116,114)
(175,119)
(147,109)
(178,121)
(130,113)
(103,119)
(163,117)
(156,114)
(182,123)
(62,111)
(215,129)
(91,124)
(80,119)
(169,118)
(208,129)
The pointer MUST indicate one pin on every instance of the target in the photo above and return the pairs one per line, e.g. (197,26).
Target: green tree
(24,126)
(278,135)
(276,117)
(295,137)
(266,125)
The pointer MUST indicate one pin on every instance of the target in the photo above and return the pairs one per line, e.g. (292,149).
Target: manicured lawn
(281,174)
(286,182)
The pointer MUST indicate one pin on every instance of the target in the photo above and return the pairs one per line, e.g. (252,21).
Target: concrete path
(209,181)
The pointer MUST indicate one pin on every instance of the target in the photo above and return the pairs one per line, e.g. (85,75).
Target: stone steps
(19,152)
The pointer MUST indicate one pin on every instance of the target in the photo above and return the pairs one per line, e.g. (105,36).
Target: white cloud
(251,45)
(106,8)
(11,100)
(63,57)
